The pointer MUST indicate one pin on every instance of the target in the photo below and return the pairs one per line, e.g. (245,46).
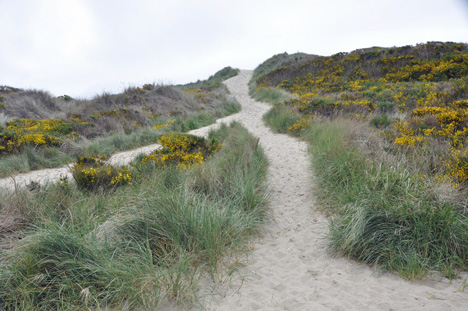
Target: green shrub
(93,174)
(380,121)
(385,106)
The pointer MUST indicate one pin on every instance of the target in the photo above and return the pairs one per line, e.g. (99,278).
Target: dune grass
(280,119)
(385,210)
(385,214)
(139,244)
(271,95)
(213,81)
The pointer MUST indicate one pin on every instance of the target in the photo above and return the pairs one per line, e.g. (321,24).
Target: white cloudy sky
(85,47)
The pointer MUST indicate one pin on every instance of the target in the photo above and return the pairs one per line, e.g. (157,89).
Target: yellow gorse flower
(21,132)
(430,93)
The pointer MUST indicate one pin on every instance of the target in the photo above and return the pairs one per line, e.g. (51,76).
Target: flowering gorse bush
(22,132)
(93,174)
(181,150)
(202,95)
(301,124)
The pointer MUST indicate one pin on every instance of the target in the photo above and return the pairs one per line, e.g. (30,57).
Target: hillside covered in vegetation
(38,130)
(417,95)
(388,130)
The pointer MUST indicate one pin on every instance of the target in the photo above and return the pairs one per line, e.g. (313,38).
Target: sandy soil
(290,267)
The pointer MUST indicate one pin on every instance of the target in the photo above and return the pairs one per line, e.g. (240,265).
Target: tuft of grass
(61,269)
(231,176)
(108,145)
(32,159)
(385,106)
(280,118)
(272,95)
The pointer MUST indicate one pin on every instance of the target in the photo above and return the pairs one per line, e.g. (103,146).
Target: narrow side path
(290,267)
(52,175)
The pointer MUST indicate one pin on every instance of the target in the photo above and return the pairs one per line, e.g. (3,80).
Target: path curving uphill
(290,267)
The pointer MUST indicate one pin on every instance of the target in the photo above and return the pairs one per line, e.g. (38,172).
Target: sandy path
(290,268)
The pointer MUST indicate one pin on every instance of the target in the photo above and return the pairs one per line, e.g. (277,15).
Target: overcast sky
(85,47)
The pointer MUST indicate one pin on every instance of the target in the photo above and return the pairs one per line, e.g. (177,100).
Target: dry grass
(4,119)
(133,108)
(32,104)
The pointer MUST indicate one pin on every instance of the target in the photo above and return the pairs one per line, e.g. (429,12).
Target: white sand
(289,267)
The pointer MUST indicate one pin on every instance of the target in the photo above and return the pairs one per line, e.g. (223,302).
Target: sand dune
(289,267)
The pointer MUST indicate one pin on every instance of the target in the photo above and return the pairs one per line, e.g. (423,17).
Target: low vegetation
(271,94)
(151,238)
(388,134)
(38,131)
(388,212)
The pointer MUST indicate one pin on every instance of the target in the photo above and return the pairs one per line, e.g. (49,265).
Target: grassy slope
(117,122)
(390,207)
(273,95)
(131,248)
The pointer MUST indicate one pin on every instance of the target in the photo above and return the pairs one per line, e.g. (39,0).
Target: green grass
(200,119)
(32,159)
(380,121)
(280,118)
(385,210)
(121,141)
(140,244)
(271,95)
(385,215)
